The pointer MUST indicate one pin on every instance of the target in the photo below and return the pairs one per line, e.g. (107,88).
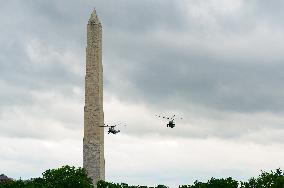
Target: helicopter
(111,129)
(171,123)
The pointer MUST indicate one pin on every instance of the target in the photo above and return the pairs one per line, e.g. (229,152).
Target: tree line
(71,177)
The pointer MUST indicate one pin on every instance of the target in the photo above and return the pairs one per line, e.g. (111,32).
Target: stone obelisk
(93,142)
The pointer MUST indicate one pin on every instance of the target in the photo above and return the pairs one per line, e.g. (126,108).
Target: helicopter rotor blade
(105,125)
(163,117)
(169,118)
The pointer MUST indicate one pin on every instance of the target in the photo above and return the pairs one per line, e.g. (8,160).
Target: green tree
(64,177)
(104,184)
(67,177)
(266,180)
(214,183)
(12,184)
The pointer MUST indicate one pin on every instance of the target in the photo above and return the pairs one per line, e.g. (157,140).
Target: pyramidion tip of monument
(94,17)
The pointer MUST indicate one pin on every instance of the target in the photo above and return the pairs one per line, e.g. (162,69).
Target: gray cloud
(163,54)
(179,62)
(237,71)
(49,32)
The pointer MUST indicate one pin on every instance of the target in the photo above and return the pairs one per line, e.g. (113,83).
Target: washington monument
(93,142)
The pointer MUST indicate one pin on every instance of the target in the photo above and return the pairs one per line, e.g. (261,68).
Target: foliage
(64,177)
(70,177)
(214,183)
(67,177)
(266,180)
(104,184)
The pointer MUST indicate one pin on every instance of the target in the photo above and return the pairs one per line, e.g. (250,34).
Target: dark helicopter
(171,123)
(112,129)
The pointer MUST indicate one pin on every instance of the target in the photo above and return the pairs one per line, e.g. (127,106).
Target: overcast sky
(219,64)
